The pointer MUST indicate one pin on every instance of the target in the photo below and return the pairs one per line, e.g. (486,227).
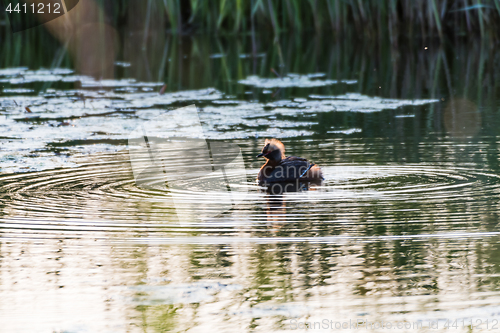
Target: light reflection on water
(405,227)
(386,242)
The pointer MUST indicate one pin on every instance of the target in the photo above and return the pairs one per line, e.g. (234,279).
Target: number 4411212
(39,8)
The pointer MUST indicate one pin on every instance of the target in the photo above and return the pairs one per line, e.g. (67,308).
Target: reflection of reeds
(192,62)
(373,18)
(426,71)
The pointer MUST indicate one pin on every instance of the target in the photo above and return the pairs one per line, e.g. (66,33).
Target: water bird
(281,169)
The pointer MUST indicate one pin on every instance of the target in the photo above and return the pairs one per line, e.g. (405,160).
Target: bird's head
(273,150)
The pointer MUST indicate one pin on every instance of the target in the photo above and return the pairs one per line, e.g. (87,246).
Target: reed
(413,18)
(394,18)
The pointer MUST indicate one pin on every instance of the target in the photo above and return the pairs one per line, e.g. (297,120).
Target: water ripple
(402,201)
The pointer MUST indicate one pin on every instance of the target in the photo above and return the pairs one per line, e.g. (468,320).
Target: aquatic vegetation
(89,120)
(422,18)
(291,80)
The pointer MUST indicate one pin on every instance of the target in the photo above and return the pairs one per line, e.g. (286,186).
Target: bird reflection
(276,198)
(275,208)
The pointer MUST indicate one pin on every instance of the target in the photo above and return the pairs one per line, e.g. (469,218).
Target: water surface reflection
(405,227)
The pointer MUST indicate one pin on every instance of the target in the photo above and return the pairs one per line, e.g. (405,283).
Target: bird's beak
(261,154)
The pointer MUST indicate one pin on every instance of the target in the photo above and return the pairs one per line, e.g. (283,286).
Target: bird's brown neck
(267,169)
(271,163)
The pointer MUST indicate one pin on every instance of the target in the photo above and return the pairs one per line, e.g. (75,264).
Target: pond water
(404,230)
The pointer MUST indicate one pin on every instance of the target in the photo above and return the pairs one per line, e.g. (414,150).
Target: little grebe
(279,168)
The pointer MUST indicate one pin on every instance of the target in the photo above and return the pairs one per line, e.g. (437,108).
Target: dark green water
(404,229)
